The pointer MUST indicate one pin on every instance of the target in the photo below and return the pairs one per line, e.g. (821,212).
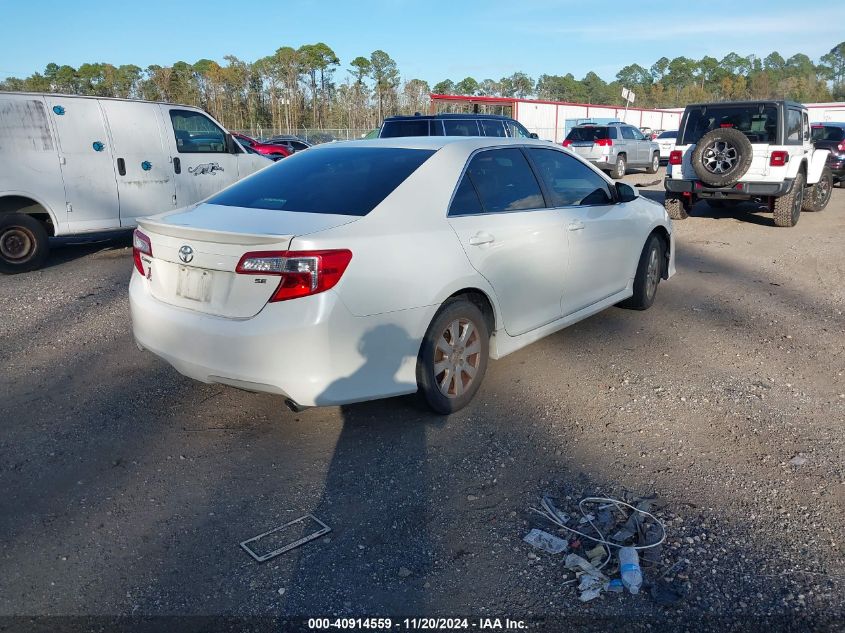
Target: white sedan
(370,269)
(666,142)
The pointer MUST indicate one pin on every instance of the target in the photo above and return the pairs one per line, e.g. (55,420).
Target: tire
(655,164)
(817,196)
(675,207)
(721,157)
(23,243)
(448,390)
(787,209)
(647,278)
(619,169)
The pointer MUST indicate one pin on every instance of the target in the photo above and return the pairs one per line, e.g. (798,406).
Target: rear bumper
(310,350)
(747,189)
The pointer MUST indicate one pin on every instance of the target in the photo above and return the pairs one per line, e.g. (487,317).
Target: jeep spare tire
(721,157)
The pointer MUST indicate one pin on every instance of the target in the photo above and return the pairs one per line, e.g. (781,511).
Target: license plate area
(194,284)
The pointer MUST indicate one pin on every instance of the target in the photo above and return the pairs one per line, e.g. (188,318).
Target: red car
(274,152)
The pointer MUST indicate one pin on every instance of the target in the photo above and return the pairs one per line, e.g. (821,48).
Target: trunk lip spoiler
(211,235)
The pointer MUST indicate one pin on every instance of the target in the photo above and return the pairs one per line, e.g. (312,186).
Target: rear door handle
(177,165)
(121,166)
(577,225)
(481,238)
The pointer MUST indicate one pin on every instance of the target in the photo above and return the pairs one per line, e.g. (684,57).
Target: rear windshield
(392,129)
(673,134)
(334,180)
(587,133)
(759,122)
(828,133)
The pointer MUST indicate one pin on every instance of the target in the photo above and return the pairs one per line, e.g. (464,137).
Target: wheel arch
(663,235)
(484,303)
(17,202)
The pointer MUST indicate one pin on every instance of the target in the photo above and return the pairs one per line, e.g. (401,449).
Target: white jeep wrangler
(734,151)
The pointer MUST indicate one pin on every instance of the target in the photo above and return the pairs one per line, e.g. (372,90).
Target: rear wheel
(619,169)
(655,164)
(817,196)
(453,356)
(787,209)
(647,278)
(23,243)
(675,207)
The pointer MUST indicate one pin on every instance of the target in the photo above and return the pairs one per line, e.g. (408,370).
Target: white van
(74,165)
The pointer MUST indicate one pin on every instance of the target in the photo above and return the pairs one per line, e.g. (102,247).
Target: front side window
(334,180)
(504,181)
(461,127)
(568,180)
(491,127)
(628,133)
(793,126)
(638,135)
(517,130)
(196,133)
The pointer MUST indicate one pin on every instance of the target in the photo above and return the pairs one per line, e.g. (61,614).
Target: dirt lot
(126,487)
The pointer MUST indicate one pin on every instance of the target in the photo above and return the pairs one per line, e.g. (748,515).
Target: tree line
(300,88)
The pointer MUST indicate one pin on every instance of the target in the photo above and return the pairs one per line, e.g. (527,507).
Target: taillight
(841,146)
(778,159)
(676,157)
(140,244)
(302,273)
(567,142)
(603,142)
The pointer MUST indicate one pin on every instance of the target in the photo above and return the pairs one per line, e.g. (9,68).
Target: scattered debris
(546,542)
(798,460)
(592,580)
(629,567)
(281,591)
(667,594)
(404,572)
(279,536)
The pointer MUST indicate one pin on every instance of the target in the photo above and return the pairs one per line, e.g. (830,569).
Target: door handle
(481,238)
(121,166)
(177,165)
(577,225)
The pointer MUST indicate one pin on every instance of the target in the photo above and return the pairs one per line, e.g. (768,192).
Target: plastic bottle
(629,566)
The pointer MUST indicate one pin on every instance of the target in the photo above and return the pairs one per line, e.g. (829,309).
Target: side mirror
(534,135)
(625,192)
(231,145)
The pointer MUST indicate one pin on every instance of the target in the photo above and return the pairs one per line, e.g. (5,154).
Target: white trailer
(75,165)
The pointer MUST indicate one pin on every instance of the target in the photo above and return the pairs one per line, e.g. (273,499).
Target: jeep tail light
(676,157)
(140,244)
(603,142)
(778,159)
(567,142)
(841,146)
(302,273)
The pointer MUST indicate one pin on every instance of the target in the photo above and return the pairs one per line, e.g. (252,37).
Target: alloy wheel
(720,157)
(652,276)
(457,357)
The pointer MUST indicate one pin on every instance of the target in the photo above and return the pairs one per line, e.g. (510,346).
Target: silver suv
(614,147)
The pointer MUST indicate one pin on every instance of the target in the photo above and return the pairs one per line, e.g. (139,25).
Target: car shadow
(742,211)
(67,249)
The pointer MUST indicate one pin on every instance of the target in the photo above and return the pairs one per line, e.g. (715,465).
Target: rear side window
(492,127)
(412,127)
(436,127)
(568,180)
(504,181)
(466,201)
(588,134)
(793,126)
(335,180)
(196,133)
(461,127)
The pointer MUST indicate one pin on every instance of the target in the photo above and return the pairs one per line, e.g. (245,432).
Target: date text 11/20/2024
(417,624)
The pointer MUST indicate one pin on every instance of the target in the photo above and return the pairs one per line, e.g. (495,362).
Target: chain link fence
(309,135)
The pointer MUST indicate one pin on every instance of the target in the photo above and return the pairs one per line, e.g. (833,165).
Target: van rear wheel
(23,243)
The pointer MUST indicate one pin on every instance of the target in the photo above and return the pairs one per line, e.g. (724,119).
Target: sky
(430,40)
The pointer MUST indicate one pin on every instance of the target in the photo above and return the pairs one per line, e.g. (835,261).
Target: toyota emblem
(186,253)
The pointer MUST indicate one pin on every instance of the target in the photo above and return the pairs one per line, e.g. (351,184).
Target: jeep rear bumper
(739,191)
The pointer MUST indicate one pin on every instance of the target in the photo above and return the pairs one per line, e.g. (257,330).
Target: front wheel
(647,278)
(453,356)
(817,196)
(655,164)
(23,243)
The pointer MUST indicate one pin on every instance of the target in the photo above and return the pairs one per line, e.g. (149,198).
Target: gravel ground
(127,487)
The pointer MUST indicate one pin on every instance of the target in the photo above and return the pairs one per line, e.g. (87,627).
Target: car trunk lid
(196,252)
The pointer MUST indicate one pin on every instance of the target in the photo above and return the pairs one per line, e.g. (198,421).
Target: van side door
(145,180)
(87,162)
(202,162)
